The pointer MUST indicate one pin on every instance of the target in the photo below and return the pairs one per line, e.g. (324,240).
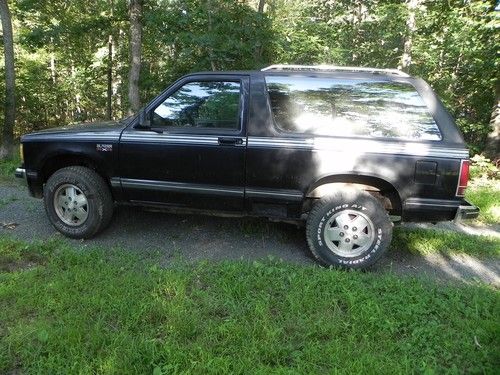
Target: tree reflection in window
(350,107)
(212,104)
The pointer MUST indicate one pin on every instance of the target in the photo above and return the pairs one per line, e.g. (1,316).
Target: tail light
(463,178)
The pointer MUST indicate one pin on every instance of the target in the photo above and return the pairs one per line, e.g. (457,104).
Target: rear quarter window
(350,107)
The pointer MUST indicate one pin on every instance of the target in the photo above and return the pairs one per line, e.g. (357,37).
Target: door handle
(228,141)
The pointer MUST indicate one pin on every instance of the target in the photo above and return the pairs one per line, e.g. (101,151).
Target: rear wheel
(350,229)
(78,202)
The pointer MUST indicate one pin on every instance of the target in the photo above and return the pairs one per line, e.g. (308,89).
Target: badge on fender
(104,147)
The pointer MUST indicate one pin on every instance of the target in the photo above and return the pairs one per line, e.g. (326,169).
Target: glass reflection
(201,104)
(350,108)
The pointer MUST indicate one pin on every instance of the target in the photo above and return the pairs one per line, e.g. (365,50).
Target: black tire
(99,205)
(358,207)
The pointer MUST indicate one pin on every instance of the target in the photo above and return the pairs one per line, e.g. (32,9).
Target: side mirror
(144,121)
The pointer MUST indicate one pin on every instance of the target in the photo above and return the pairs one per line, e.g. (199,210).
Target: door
(193,153)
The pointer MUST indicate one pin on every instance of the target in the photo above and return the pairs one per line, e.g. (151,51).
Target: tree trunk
(7,148)
(258,49)
(359,15)
(210,49)
(492,150)
(261,6)
(109,93)
(52,62)
(410,30)
(135,12)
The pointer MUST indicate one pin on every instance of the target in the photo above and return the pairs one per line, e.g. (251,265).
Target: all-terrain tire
(99,201)
(349,228)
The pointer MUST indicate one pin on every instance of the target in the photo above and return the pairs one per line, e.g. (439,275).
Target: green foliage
(482,168)
(63,59)
(111,312)
(8,167)
(484,189)
(486,196)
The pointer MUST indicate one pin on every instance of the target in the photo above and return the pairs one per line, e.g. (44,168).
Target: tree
(410,30)
(80,60)
(10,88)
(135,12)
(492,149)
(260,8)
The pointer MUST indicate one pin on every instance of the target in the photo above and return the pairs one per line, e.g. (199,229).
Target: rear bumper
(466,211)
(434,210)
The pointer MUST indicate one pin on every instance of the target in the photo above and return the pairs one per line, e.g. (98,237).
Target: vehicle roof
(301,73)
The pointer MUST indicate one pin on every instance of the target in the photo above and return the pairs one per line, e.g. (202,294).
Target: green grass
(8,168)
(428,241)
(487,197)
(111,312)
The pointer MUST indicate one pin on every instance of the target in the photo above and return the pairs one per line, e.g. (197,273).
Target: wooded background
(85,60)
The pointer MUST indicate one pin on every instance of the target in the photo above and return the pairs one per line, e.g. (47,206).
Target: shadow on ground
(197,237)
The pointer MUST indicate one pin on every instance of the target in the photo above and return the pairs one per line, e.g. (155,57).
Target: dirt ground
(196,237)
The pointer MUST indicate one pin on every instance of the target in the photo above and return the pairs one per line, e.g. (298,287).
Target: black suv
(348,151)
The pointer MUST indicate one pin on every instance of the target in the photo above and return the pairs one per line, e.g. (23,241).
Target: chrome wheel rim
(71,205)
(349,233)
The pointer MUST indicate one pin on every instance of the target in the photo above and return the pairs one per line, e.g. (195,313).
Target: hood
(94,130)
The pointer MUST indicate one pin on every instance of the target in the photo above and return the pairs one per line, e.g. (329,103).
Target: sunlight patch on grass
(428,241)
(487,197)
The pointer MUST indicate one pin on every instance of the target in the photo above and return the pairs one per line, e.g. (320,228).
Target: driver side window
(209,104)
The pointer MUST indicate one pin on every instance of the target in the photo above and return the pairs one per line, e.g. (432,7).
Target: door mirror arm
(144,123)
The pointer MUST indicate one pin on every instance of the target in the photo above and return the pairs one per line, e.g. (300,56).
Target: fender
(325,184)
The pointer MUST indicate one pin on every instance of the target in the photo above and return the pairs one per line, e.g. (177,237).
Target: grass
(8,167)
(112,312)
(486,195)
(427,241)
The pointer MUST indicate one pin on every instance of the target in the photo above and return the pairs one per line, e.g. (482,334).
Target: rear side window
(349,107)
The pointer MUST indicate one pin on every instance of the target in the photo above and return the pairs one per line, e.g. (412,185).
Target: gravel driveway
(196,237)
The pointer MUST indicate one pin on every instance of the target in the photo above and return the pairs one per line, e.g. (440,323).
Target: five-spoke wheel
(78,201)
(349,233)
(349,228)
(71,205)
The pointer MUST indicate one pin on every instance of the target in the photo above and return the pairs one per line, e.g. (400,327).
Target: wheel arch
(375,185)
(54,162)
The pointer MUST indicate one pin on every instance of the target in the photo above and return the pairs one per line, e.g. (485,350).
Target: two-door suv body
(349,151)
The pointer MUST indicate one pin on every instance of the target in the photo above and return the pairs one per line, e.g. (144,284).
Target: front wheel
(78,202)
(349,229)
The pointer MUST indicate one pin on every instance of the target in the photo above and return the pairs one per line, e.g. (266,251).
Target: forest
(82,61)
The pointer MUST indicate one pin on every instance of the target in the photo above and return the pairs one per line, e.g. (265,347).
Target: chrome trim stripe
(148,137)
(418,202)
(115,182)
(281,194)
(353,145)
(75,137)
(430,204)
(181,187)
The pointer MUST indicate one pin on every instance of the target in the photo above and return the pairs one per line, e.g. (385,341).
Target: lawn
(429,241)
(112,312)
(115,312)
(486,196)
